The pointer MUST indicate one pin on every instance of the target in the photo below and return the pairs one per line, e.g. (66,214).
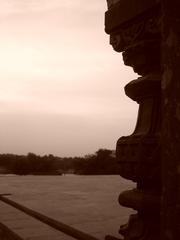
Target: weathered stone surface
(110,3)
(135,30)
(123,11)
(16,225)
(171,119)
(148,34)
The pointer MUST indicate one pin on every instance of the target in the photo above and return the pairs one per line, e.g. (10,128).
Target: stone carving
(138,152)
(110,3)
(137,35)
(138,228)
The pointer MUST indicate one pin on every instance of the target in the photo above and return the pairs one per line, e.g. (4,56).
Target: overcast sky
(61,83)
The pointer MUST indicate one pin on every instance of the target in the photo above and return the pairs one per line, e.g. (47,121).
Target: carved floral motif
(134,33)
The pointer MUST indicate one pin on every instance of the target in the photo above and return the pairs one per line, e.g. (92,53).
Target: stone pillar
(171,120)
(135,30)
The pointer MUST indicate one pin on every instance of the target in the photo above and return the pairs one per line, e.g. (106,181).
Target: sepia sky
(61,83)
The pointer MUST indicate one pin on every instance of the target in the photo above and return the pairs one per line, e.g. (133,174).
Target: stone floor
(27,227)
(87,203)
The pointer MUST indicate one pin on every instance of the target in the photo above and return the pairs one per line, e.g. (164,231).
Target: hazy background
(61,83)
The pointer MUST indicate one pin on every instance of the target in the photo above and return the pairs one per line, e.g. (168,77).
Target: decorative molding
(135,33)
(135,30)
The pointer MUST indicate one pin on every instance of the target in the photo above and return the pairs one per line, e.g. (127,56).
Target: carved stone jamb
(134,28)
(171,120)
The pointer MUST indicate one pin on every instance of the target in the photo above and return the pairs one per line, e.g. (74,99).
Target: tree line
(101,162)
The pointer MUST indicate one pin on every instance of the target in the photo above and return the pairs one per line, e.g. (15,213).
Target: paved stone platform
(87,203)
(26,227)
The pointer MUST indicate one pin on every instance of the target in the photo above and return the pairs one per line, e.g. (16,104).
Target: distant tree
(102,162)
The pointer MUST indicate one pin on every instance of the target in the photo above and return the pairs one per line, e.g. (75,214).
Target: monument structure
(147,32)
